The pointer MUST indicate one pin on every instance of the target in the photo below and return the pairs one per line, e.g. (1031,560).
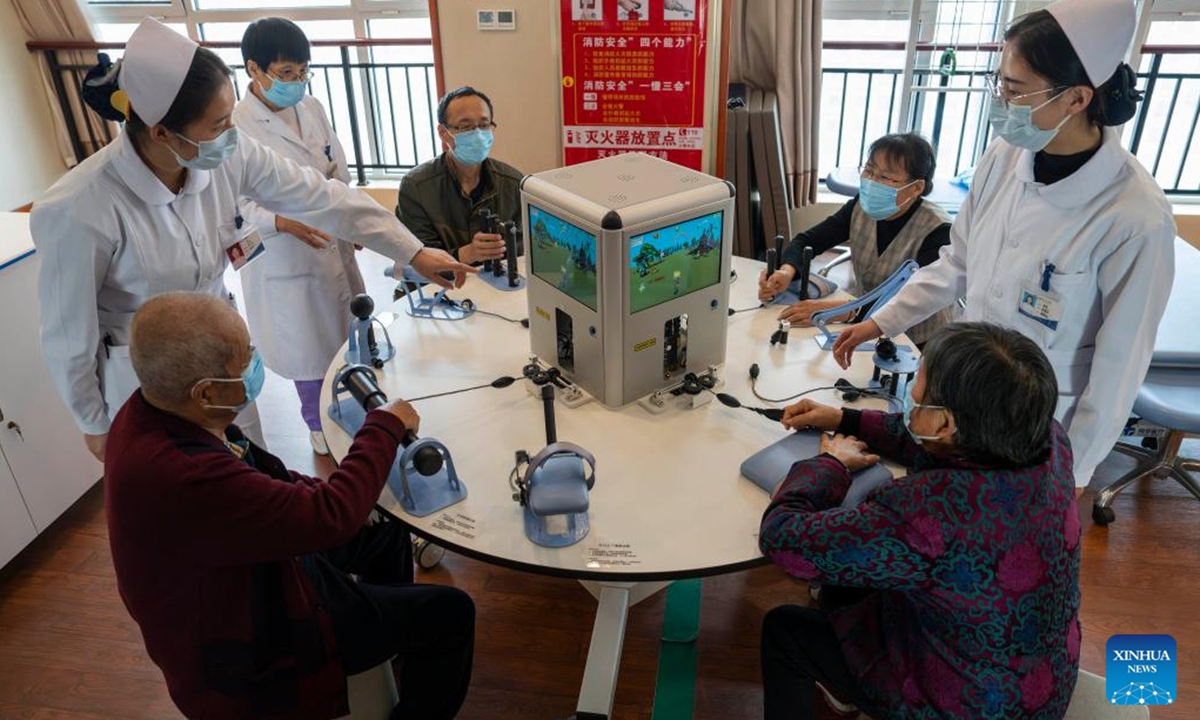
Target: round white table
(668,501)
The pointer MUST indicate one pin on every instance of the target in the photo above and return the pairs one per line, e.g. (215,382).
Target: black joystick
(806,256)
(886,349)
(362,386)
(362,306)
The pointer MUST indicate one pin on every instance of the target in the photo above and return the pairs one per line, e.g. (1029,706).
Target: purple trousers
(310,402)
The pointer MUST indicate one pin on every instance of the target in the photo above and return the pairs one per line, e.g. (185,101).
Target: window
(393,88)
(120,32)
(1163,135)
(860,87)
(864,93)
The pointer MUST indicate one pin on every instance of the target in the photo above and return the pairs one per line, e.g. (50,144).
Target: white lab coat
(1109,231)
(111,236)
(297,297)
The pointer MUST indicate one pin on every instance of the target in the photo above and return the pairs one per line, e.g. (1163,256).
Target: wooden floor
(69,650)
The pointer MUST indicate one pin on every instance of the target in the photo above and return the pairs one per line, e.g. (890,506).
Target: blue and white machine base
(419,495)
(500,282)
(879,296)
(362,348)
(436,306)
(554,495)
(818,287)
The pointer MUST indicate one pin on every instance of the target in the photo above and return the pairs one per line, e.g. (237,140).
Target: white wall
(518,70)
(27,146)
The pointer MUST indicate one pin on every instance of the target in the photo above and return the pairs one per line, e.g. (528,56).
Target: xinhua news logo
(1141,669)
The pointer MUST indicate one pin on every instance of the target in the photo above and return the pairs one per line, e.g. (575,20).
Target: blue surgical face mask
(1014,123)
(471,147)
(284,94)
(909,406)
(212,153)
(252,380)
(877,200)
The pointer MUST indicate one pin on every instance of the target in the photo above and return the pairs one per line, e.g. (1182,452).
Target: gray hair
(180,338)
(1000,387)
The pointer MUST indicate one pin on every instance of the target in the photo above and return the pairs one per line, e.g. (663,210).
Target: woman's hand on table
(849,450)
(801,313)
(809,414)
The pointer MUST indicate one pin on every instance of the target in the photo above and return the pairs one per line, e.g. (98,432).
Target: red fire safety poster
(633,78)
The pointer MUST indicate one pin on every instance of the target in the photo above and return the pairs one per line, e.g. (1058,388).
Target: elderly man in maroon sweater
(237,570)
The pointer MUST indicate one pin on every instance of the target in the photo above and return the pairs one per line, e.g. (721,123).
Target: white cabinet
(43,447)
(16,527)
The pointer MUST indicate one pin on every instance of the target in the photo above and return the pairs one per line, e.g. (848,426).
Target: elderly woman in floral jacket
(969,565)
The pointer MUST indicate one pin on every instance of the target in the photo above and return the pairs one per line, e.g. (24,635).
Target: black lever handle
(363,388)
(806,257)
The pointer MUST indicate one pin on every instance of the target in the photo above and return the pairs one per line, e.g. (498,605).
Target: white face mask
(1014,123)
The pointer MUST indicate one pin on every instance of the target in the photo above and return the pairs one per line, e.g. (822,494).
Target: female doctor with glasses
(298,295)
(157,210)
(1064,236)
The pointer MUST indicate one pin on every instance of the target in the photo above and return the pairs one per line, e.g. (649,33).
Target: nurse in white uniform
(1064,235)
(297,296)
(157,210)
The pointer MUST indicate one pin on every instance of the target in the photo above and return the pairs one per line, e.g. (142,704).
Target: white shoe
(840,708)
(317,438)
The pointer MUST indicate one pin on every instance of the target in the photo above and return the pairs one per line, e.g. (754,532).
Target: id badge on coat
(248,247)
(1044,306)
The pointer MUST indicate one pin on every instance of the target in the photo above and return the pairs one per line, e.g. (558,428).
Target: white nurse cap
(157,60)
(1100,32)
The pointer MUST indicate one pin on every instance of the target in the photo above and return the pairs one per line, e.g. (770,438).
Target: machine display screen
(563,255)
(675,260)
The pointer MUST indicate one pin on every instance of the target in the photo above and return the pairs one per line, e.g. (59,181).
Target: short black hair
(275,39)
(910,150)
(1000,387)
(1040,41)
(465,91)
(205,78)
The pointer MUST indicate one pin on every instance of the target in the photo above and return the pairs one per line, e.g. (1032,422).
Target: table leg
(604,654)
(608,636)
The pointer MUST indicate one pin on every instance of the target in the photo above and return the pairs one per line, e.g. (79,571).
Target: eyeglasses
(468,128)
(870,172)
(290,75)
(996,86)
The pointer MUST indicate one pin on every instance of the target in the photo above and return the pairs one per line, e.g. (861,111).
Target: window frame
(187,12)
(360,12)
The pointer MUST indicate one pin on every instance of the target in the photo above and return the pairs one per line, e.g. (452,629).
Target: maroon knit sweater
(205,546)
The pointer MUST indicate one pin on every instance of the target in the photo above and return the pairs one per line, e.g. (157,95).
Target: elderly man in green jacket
(440,199)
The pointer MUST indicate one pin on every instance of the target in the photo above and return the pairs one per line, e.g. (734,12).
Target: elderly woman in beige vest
(888,222)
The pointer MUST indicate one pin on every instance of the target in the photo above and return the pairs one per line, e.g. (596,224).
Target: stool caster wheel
(427,555)
(1103,515)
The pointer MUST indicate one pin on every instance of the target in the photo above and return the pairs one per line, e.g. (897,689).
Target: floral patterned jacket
(977,571)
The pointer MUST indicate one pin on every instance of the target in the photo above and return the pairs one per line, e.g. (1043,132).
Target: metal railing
(1162,135)
(389,110)
(385,113)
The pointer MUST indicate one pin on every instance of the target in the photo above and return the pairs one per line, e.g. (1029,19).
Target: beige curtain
(57,20)
(776,45)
